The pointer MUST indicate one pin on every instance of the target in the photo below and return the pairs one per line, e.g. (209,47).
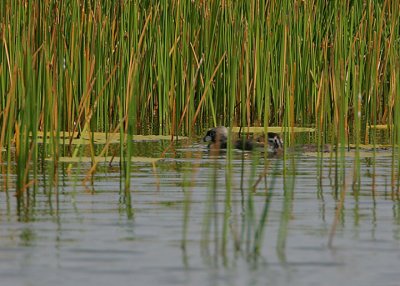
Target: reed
(268,50)
(195,60)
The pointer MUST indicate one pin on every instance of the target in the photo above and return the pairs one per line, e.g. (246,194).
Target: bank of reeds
(75,66)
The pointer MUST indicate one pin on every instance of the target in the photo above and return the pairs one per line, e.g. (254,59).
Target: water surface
(92,236)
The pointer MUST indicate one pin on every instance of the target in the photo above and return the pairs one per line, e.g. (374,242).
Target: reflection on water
(272,222)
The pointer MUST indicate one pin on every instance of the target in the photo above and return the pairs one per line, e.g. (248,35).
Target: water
(92,237)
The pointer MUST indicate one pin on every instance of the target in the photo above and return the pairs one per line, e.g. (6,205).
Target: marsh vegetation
(128,88)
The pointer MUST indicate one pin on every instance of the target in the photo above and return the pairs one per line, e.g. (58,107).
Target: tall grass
(78,66)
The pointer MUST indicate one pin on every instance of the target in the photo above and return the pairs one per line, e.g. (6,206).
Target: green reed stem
(175,64)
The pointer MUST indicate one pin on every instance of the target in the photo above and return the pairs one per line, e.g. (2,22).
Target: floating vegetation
(154,138)
(380,126)
(276,129)
(106,159)
(370,146)
(103,138)
(352,154)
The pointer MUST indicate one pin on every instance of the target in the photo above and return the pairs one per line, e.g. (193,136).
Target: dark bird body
(218,138)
